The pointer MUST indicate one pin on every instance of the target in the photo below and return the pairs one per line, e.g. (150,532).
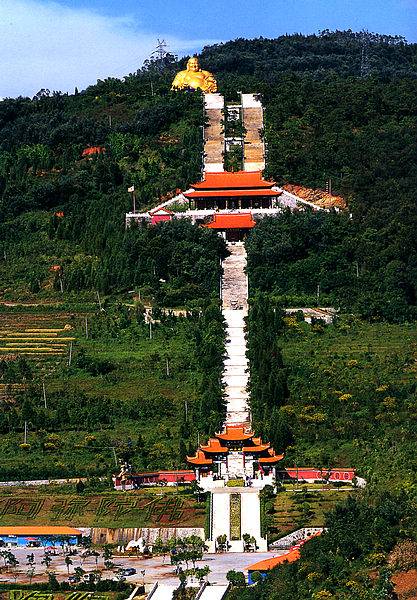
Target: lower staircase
(165,591)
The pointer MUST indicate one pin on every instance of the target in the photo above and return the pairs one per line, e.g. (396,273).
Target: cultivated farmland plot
(35,334)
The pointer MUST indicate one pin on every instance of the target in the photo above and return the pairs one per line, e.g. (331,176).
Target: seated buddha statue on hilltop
(194,78)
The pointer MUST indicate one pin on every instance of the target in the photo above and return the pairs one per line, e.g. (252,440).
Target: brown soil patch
(316,196)
(406,584)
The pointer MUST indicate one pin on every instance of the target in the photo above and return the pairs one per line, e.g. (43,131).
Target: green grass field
(352,396)
(125,393)
(294,509)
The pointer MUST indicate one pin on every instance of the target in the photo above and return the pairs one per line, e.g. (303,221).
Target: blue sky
(61,44)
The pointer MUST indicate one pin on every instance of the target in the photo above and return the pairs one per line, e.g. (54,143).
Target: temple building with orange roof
(232,453)
(231,191)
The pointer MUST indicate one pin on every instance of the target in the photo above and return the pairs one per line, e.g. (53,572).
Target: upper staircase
(213,133)
(253,121)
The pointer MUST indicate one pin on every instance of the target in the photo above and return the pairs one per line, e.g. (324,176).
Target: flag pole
(131,190)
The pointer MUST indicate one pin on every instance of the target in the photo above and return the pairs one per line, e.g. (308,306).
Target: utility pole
(44,395)
(318,292)
(25,438)
(86,328)
(167,366)
(115,456)
(99,301)
(161,49)
(186,410)
(70,355)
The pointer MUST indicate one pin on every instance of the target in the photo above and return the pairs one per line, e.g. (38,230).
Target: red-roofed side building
(264,566)
(160,214)
(92,151)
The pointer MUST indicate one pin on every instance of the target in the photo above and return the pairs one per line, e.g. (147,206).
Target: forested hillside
(339,106)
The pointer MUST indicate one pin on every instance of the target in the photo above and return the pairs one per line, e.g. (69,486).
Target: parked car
(129,571)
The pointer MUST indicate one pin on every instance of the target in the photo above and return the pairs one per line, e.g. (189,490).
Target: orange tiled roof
(93,150)
(38,530)
(228,193)
(256,448)
(272,458)
(161,210)
(239,179)
(271,563)
(234,434)
(214,445)
(199,459)
(232,221)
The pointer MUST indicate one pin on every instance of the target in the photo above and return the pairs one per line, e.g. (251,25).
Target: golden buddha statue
(194,78)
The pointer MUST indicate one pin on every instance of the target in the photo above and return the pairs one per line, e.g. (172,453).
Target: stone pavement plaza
(154,568)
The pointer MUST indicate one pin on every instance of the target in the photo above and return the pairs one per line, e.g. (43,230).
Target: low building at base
(130,481)
(232,227)
(263,567)
(33,536)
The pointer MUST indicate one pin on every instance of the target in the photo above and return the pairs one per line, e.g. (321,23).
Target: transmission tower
(160,50)
(365,63)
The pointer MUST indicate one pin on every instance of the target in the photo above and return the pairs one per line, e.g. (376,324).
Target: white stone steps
(164,591)
(214,592)
(232,370)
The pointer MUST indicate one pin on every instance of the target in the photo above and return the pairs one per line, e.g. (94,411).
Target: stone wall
(121,536)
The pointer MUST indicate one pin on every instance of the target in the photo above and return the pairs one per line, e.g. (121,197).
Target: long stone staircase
(235,378)
(213,133)
(253,120)
(234,292)
(214,141)
(234,299)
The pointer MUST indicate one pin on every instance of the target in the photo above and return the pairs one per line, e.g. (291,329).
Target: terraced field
(45,339)
(36,334)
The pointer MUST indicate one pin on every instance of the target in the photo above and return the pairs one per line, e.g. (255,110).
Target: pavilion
(235,452)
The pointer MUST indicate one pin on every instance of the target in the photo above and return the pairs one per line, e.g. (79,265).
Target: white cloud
(46,45)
